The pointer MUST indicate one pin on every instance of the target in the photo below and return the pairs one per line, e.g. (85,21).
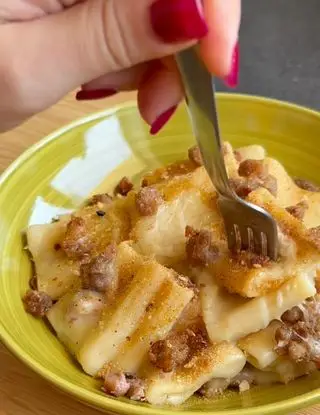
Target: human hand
(51,47)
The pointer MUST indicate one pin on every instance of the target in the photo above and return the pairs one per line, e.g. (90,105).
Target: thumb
(94,37)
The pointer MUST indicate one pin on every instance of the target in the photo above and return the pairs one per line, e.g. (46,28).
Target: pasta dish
(141,289)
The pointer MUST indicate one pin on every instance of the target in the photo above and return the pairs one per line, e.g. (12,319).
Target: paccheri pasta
(142,290)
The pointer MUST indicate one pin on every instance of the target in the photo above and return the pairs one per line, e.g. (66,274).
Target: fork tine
(250,239)
(254,241)
(264,244)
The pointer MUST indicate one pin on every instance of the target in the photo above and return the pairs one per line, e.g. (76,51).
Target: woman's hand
(50,47)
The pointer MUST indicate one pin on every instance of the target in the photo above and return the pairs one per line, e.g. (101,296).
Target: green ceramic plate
(55,175)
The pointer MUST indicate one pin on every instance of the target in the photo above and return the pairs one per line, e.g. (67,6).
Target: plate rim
(105,403)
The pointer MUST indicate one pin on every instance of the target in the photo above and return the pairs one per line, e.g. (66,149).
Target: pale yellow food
(259,347)
(128,317)
(158,294)
(222,360)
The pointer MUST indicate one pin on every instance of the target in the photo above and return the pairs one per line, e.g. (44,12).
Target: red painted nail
(84,95)
(232,79)
(178,20)
(161,120)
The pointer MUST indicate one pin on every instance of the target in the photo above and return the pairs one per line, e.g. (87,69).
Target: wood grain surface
(22,392)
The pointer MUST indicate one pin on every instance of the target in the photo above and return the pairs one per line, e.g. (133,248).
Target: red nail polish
(84,95)
(232,79)
(178,20)
(161,120)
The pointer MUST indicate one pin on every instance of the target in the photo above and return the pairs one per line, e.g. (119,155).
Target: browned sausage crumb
(37,303)
(148,200)
(177,350)
(124,186)
(252,167)
(103,198)
(197,339)
(136,391)
(99,274)
(116,384)
(200,249)
(307,185)
(298,210)
(293,315)
(299,335)
(76,243)
(244,186)
(195,155)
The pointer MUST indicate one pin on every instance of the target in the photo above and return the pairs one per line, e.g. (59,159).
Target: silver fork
(247,226)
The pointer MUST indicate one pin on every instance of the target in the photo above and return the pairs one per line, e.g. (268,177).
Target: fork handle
(200,92)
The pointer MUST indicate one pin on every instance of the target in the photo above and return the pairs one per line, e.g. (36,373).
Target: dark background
(280,50)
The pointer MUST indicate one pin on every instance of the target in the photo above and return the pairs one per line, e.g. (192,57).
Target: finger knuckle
(117,46)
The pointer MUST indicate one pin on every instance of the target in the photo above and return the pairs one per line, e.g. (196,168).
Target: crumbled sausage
(197,339)
(136,391)
(124,384)
(252,167)
(298,352)
(103,198)
(307,185)
(195,155)
(244,186)
(299,335)
(116,384)
(37,303)
(177,350)
(298,210)
(282,338)
(250,259)
(99,274)
(123,187)
(200,249)
(148,200)
(76,242)
(293,315)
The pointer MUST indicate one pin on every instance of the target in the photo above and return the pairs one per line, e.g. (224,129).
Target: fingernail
(84,95)
(232,79)
(178,20)
(161,120)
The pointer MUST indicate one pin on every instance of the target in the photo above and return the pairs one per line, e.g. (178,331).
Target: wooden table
(21,391)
